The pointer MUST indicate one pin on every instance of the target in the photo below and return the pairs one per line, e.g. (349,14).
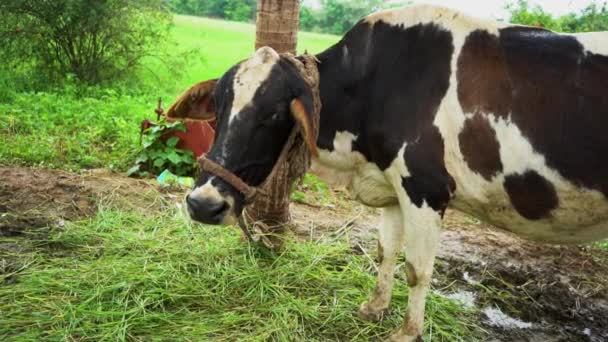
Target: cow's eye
(269,120)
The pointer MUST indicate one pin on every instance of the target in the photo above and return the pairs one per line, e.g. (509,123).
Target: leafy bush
(591,18)
(95,41)
(159,153)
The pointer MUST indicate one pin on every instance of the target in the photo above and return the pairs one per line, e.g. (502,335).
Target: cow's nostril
(207,210)
(189,200)
(216,209)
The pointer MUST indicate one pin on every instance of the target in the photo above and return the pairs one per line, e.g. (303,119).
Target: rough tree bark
(277,24)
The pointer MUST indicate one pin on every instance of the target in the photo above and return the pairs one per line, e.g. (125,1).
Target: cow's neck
(341,73)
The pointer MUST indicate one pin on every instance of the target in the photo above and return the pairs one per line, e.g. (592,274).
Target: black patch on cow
(483,79)
(551,88)
(384,84)
(479,146)
(531,194)
(410,78)
(223,95)
(343,91)
(429,181)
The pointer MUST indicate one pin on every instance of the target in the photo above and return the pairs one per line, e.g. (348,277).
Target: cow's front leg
(422,227)
(390,244)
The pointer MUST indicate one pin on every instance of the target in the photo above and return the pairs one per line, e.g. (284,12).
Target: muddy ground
(526,291)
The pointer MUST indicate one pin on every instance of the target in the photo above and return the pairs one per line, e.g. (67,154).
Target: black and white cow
(425,107)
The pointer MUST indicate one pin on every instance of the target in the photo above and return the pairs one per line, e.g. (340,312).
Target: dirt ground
(526,291)
(33,199)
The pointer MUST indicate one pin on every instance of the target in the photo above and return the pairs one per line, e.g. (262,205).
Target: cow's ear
(195,103)
(302,111)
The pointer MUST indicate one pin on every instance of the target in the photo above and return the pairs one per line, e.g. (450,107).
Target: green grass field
(122,275)
(224,43)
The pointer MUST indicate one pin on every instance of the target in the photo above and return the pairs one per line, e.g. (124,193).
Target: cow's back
(525,128)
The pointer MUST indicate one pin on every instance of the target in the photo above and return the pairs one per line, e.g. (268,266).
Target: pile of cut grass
(128,276)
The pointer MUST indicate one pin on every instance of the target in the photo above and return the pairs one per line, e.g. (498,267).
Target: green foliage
(309,20)
(312,190)
(592,18)
(335,16)
(340,15)
(95,41)
(603,245)
(70,130)
(150,276)
(159,152)
(235,10)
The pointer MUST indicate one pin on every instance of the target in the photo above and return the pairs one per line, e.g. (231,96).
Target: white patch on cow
(345,56)
(346,168)
(439,15)
(450,119)
(250,76)
(594,42)
(207,191)
(370,187)
(422,227)
(338,166)
(399,163)
(391,238)
(343,143)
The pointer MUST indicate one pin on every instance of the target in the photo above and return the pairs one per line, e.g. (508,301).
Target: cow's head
(256,104)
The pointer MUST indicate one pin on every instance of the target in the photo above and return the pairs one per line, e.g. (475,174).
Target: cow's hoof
(399,336)
(370,314)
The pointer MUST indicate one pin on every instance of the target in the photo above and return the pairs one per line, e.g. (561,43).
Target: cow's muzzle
(207,210)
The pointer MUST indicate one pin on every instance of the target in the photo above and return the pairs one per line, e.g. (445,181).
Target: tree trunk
(277,24)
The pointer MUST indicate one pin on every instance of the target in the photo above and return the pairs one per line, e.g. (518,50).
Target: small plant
(312,190)
(160,152)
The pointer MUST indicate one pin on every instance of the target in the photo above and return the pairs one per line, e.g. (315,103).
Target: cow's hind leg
(389,246)
(422,227)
